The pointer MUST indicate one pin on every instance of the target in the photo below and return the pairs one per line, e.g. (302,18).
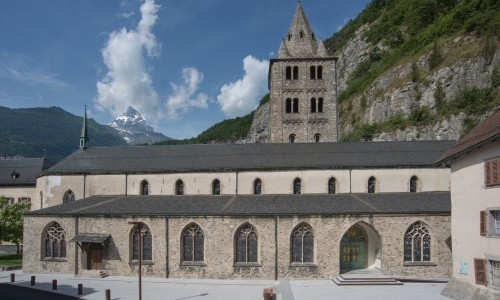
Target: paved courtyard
(124,288)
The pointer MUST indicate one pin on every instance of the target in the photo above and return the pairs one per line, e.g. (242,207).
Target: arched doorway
(360,248)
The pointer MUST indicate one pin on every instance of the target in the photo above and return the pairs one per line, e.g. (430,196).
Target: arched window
(291,138)
(320,72)
(257,186)
(332,185)
(144,187)
(179,187)
(417,244)
(141,232)
(413,184)
(246,244)
(216,187)
(297,186)
(320,105)
(295,105)
(54,241)
(295,73)
(289,36)
(288,105)
(313,105)
(69,196)
(301,34)
(193,243)
(302,244)
(288,73)
(312,72)
(317,138)
(371,185)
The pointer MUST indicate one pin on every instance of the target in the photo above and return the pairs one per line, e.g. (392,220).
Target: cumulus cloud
(242,96)
(127,82)
(184,96)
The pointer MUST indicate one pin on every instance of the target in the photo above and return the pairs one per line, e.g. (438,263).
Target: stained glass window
(193,243)
(147,242)
(216,187)
(413,184)
(371,185)
(332,185)
(303,244)
(417,243)
(179,187)
(144,188)
(297,186)
(55,241)
(246,244)
(69,196)
(257,186)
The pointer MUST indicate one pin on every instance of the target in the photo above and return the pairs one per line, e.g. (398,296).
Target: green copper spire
(84,137)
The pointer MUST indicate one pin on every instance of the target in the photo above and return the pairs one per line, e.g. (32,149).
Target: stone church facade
(312,208)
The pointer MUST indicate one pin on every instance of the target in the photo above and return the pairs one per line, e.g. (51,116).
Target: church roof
(300,41)
(485,132)
(227,157)
(255,205)
(20,171)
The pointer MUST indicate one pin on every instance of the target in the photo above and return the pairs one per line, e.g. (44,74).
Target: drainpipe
(76,246)
(276,248)
(167,256)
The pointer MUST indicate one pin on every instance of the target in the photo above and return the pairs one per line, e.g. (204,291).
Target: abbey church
(302,206)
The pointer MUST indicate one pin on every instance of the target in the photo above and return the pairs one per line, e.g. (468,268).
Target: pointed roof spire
(300,40)
(322,49)
(283,52)
(83,136)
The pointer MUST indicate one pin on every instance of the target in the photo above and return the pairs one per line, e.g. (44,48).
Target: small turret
(83,136)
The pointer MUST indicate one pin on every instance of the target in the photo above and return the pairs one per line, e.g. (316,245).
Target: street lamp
(138,231)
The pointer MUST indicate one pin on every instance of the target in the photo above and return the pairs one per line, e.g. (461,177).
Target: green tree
(11,221)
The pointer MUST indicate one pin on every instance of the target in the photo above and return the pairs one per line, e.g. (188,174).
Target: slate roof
(26,170)
(254,205)
(485,132)
(224,157)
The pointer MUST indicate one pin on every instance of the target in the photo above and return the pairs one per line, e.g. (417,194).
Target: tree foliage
(11,221)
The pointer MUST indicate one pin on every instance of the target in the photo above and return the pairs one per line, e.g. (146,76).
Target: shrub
(436,57)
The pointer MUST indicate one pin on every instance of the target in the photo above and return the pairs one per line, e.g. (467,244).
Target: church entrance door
(353,248)
(94,259)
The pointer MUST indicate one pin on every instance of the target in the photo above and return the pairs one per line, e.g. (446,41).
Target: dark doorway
(94,258)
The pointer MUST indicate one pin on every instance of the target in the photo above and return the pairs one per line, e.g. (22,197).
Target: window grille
(55,241)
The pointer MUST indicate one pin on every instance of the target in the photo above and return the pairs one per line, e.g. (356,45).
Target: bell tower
(302,85)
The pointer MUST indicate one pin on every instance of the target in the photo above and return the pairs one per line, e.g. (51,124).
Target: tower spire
(300,40)
(83,136)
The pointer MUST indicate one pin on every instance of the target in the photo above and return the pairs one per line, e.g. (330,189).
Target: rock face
(259,131)
(135,130)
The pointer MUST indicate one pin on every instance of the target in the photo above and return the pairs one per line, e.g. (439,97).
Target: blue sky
(184,64)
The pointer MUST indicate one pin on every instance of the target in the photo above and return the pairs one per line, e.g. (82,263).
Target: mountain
(31,132)
(135,130)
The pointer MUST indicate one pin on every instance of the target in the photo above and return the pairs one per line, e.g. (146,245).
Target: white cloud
(127,82)
(184,96)
(127,15)
(242,96)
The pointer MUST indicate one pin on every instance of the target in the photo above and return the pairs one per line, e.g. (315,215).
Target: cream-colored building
(475,222)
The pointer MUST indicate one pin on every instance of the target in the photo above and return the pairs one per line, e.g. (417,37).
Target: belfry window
(179,187)
(288,105)
(257,186)
(144,187)
(291,138)
(216,187)
(288,73)
(69,196)
(193,241)
(289,36)
(372,182)
(55,242)
(319,72)
(141,231)
(320,105)
(246,244)
(302,244)
(313,105)
(295,105)
(417,243)
(317,138)
(301,34)
(313,72)
(413,184)
(297,186)
(332,182)
(295,73)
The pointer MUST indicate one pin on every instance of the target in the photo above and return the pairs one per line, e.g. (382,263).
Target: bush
(436,57)
(495,76)
(420,116)
(439,97)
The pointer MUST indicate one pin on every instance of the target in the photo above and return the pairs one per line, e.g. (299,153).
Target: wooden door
(94,260)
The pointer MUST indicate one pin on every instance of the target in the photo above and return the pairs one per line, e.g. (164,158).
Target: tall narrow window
(144,187)
(320,72)
(141,230)
(288,73)
(417,243)
(492,172)
(216,187)
(413,184)
(69,196)
(372,182)
(320,105)
(289,36)
(480,271)
(193,244)
(332,185)
(297,186)
(301,34)
(288,105)
(295,105)
(179,187)
(295,73)
(302,244)
(257,186)
(317,138)
(246,244)
(54,241)
(313,105)
(291,138)
(312,72)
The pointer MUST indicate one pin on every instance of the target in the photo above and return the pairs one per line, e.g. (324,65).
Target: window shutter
(482,223)
(492,172)
(480,271)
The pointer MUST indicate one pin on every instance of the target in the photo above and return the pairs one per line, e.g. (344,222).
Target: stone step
(339,280)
